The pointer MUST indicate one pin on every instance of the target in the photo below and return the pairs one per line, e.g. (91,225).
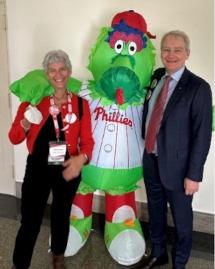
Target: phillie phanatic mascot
(121,63)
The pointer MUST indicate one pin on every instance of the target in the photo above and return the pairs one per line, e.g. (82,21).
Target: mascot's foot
(78,234)
(127,245)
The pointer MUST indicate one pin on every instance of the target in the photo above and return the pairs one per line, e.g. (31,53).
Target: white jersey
(117,134)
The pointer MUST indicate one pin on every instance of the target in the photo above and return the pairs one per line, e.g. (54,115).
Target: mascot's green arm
(34,86)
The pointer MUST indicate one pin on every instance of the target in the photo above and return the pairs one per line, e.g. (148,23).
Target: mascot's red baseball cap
(132,19)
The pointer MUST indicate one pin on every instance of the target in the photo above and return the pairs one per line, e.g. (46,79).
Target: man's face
(174,53)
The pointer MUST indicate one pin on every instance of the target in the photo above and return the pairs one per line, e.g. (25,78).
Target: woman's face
(58,75)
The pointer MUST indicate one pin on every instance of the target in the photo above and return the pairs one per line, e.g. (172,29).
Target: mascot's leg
(80,223)
(123,234)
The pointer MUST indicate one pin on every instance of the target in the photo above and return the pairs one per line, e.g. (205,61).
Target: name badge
(57,152)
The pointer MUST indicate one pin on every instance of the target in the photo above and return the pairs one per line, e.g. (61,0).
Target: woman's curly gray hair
(56,56)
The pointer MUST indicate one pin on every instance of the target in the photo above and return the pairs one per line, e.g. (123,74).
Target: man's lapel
(177,94)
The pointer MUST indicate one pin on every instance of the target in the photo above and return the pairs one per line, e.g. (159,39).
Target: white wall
(35,27)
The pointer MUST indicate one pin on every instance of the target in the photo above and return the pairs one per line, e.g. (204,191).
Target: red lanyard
(54,111)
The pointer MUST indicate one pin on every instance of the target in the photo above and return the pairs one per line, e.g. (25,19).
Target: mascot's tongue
(119,96)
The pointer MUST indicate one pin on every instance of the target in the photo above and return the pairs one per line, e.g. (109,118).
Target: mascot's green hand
(34,86)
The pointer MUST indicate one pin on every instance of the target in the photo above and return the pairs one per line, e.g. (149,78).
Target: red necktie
(156,117)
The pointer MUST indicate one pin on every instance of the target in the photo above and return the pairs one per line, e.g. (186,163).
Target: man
(177,134)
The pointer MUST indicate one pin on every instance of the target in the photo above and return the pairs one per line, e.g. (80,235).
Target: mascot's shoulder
(85,91)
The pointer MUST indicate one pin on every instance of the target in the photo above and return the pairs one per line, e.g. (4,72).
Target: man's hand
(190,186)
(73,166)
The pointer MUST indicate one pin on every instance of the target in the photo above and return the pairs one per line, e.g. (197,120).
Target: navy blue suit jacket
(184,137)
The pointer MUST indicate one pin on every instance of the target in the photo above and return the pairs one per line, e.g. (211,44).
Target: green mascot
(121,63)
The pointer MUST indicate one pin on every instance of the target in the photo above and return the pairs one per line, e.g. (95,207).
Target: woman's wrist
(84,157)
(25,124)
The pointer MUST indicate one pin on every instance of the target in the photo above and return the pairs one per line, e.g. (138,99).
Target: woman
(59,141)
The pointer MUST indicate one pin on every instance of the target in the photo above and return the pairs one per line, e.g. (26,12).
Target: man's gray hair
(56,56)
(177,33)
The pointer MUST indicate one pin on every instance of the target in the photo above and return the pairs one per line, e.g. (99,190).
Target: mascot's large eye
(118,46)
(132,48)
